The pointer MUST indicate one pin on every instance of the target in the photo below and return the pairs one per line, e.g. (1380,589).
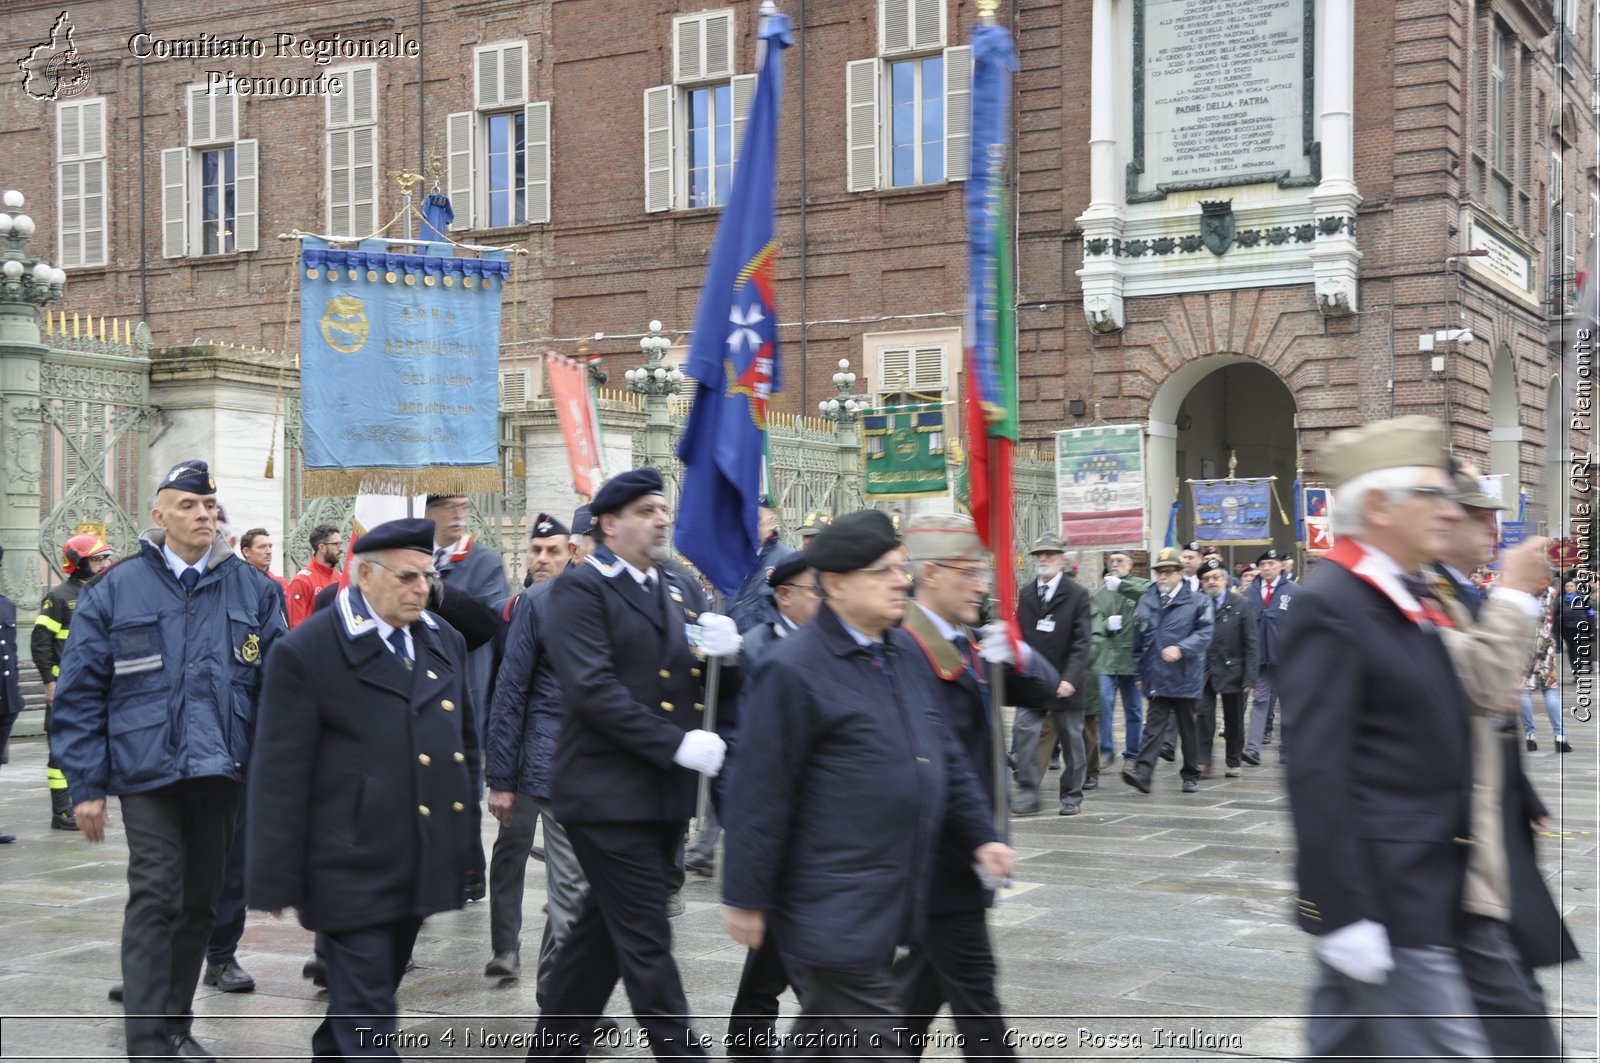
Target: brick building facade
(597,135)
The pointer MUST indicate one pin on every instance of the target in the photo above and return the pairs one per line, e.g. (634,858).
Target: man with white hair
(1382,812)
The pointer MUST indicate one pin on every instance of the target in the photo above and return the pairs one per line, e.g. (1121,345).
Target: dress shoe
(676,906)
(316,972)
(477,888)
(536,853)
(1168,754)
(1133,779)
(1250,757)
(603,1028)
(1091,783)
(1532,745)
(1191,786)
(1233,773)
(1562,746)
(703,868)
(114,994)
(7,839)
(229,977)
(1070,810)
(1025,807)
(504,965)
(186,1047)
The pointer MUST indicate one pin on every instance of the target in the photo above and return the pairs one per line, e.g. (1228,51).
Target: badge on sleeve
(250,652)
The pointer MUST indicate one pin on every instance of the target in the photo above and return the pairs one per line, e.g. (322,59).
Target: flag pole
(709,722)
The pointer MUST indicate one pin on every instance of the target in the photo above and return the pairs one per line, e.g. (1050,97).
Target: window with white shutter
(460,179)
(514,388)
(175,203)
(81,182)
(692,128)
(501,75)
(353,153)
(209,190)
(213,116)
(537,123)
(910,372)
(499,153)
(909,112)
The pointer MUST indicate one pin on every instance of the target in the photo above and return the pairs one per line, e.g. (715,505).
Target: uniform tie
(440,555)
(189,578)
(1165,599)
(1266,596)
(397,642)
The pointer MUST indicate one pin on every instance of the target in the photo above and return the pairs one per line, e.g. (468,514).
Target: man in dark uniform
(1382,801)
(1057,620)
(953,960)
(156,704)
(847,779)
(754,603)
(10,682)
(626,764)
(1269,598)
(1171,631)
(364,856)
(1231,664)
(83,557)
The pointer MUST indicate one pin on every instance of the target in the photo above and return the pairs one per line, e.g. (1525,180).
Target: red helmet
(81,548)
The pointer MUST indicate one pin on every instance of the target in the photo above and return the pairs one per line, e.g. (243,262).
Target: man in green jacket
(1114,605)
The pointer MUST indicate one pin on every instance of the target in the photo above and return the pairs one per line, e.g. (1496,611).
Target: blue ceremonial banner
(733,352)
(1233,512)
(399,370)
(1513,532)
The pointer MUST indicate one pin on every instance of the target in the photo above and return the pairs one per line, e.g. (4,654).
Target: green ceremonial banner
(905,452)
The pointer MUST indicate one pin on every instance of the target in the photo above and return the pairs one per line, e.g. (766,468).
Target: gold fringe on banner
(429,480)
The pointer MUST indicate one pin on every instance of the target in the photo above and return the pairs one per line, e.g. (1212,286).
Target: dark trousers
(845,1014)
(1577,653)
(1091,748)
(178,840)
(1506,992)
(953,964)
(364,971)
(230,902)
(753,1019)
(1164,720)
(622,930)
(1232,729)
(508,873)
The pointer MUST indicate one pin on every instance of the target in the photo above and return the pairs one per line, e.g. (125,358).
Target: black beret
(788,569)
(1212,564)
(408,533)
(1195,546)
(852,542)
(191,476)
(624,488)
(1269,555)
(544,526)
(581,520)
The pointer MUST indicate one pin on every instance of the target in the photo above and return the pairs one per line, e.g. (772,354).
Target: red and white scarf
(1349,554)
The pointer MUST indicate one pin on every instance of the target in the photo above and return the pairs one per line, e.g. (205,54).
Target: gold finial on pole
(405,179)
(1233,463)
(986,11)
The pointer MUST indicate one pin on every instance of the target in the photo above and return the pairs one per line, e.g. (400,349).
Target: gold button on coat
(667,705)
(447,705)
(457,807)
(425,810)
(664,674)
(460,758)
(424,760)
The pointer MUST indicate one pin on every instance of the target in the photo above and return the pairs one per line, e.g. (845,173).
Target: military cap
(1049,543)
(1469,488)
(1395,443)
(1167,558)
(431,499)
(193,476)
(407,533)
(1272,554)
(624,488)
(544,526)
(942,537)
(1193,545)
(581,520)
(787,569)
(815,521)
(852,542)
(1211,551)
(1212,564)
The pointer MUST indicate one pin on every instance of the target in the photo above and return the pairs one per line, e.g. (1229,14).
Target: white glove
(994,643)
(701,751)
(1113,623)
(720,636)
(1113,582)
(1360,950)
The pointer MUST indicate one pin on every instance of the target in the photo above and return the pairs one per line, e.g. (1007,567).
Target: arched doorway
(1505,432)
(1211,408)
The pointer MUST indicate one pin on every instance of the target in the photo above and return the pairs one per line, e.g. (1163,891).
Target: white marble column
(1335,257)
(1101,276)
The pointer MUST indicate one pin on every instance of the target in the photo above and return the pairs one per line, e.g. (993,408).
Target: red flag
(569,387)
(989,496)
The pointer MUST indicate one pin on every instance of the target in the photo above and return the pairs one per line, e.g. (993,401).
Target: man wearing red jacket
(327,547)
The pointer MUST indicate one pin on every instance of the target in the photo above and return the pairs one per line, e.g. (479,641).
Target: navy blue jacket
(157,685)
(1268,617)
(480,572)
(10,660)
(360,791)
(757,603)
(1185,623)
(841,795)
(525,716)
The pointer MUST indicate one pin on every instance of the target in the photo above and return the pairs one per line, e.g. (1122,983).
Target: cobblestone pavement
(1152,926)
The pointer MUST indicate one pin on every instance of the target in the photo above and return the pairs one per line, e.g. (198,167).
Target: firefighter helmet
(81,548)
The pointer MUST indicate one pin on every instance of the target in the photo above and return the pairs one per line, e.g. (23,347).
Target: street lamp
(22,279)
(654,379)
(843,409)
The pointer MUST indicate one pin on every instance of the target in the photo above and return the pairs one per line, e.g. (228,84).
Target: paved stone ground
(1166,912)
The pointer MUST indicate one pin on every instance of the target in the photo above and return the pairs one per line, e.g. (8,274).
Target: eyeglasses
(812,587)
(451,507)
(895,570)
(1433,494)
(975,575)
(410,576)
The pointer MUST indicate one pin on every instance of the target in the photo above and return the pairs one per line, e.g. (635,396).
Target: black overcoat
(359,790)
(1067,635)
(1233,657)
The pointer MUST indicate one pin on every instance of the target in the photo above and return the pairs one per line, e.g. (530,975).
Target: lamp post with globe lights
(844,409)
(26,285)
(656,381)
